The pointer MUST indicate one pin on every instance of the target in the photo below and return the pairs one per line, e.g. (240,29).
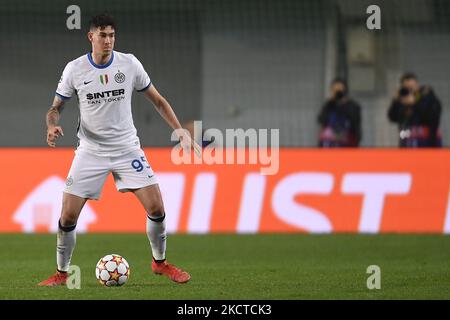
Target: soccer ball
(112,270)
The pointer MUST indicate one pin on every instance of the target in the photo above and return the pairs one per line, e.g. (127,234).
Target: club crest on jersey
(104,79)
(119,77)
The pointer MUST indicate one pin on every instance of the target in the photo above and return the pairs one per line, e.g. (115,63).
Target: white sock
(65,244)
(156,233)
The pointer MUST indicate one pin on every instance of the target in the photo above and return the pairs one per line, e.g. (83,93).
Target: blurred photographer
(417,111)
(340,118)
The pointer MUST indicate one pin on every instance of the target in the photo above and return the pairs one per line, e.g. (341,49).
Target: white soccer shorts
(88,173)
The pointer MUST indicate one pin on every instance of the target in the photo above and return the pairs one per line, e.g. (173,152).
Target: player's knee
(155,211)
(68,219)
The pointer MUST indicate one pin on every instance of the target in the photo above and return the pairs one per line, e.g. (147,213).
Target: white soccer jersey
(104,95)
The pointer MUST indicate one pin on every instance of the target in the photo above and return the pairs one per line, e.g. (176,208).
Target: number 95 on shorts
(89,171)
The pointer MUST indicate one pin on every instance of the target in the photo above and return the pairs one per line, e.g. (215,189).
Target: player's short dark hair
(408,76)
(102,21)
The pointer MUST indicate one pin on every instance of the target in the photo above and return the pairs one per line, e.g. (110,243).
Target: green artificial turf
(272,266)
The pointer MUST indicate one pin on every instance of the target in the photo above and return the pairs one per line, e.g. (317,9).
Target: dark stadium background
(250,64)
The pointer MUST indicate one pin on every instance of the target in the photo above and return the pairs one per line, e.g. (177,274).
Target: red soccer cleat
(174,274)
(58,279)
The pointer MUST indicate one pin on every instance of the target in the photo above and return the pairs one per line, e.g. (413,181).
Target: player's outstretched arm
(167,113)
(53,130)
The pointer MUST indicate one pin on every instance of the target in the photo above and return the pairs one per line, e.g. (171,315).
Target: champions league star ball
(112,270)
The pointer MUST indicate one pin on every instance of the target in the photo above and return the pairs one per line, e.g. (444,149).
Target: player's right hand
(53,133)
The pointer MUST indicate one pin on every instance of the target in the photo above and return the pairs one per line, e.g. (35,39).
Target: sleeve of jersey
(142,80)
(65,87)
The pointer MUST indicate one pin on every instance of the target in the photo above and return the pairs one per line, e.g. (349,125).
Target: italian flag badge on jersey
(104,79)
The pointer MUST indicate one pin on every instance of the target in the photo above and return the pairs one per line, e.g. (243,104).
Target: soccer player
(103,81)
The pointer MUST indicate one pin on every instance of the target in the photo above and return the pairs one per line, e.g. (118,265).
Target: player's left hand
(187,143)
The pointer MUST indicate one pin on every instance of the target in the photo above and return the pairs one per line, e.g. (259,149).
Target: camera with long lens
(404,92)
(340,94)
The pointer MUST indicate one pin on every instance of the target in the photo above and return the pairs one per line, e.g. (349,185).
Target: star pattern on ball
(101,266)
(114,275)
(117,259)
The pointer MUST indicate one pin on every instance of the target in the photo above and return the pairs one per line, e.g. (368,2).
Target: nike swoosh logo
(86,82)
(150,176)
